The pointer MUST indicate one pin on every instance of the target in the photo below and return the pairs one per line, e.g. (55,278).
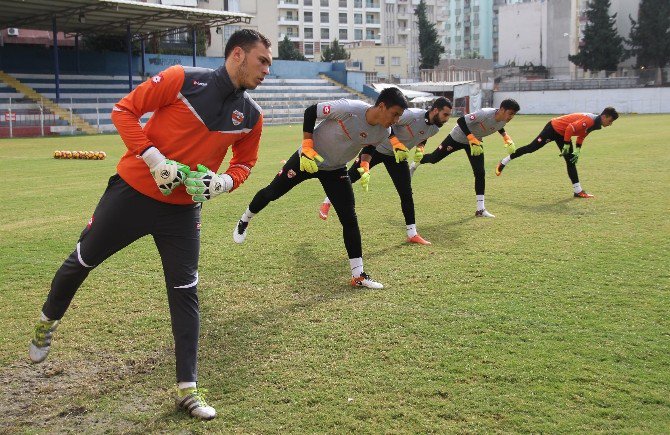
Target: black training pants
(448,146)
(399,173)
(122,216)
(548,134)
(337,186)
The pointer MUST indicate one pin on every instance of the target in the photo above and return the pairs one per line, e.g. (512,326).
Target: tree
(334,52)
(430,47)
(650,35)
(602,47)
(287,50)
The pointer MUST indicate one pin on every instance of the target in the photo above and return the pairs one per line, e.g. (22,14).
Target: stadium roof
(110,16)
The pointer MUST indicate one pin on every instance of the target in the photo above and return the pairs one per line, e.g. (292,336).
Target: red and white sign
(10,117)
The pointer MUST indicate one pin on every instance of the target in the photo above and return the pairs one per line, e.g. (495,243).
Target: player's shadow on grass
(559,206)
(445,232)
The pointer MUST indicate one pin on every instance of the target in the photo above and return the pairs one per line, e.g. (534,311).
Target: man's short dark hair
(392,96)
(440,103)
(611,112)
(510,104)
(246,39)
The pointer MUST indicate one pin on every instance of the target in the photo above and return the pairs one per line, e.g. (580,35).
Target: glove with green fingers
(400,151)
(418,154)
(476,148)
(309,157)
(509,144)
(167,174)
(364,170)
(204,184)
(565,151)
(575,155)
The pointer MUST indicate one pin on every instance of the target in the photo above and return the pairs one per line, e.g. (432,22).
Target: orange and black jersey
(197,115)
(576,124)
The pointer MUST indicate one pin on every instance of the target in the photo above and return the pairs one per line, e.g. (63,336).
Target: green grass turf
(553,317)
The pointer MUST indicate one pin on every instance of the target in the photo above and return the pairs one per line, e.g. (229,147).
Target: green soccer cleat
(41,342)
(192,400)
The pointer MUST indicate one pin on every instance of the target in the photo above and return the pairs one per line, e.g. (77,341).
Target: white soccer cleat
(41,342)
(484,213)
(192,401)
(364,280)
(240,231)
(412,167)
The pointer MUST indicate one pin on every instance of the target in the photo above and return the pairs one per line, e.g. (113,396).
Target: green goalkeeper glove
(476,148)
(575,156)
(364,170)
(204,184)
(566,149)
(418,154)
(167,174)
(509,144)
(400,151)
(309,157)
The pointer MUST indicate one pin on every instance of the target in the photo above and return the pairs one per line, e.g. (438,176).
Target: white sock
(44,318)
(577,187)
(411,230)
(326,201)
(246,217)
(480,202)
(356,266)
(183,385)
(506,160)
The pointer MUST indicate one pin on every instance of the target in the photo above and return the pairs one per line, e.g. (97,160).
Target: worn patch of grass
(553,317)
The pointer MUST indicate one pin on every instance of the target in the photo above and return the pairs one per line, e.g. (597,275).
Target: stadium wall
(629,100)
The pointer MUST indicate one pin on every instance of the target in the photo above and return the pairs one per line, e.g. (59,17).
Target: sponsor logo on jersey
(157,79)
(583,124)
(449,148)
(363,134)
(197,83)
(326,110)
(290,173)
(90,222)
(472,117)
(237,117)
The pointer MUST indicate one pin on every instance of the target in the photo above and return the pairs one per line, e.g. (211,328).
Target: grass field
(553,317)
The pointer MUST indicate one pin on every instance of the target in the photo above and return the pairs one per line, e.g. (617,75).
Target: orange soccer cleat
(323,211)
(499,169)
(583,194)
(418,240)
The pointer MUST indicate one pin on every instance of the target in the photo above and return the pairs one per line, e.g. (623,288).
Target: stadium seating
(92,97)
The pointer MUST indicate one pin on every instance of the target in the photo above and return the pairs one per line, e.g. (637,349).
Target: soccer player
(561,130)
(414,128)
(198,114)
(347,126)
(467,135)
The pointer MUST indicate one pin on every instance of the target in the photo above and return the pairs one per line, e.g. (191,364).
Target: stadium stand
(92,97)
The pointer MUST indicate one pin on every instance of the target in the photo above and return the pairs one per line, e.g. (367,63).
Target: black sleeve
(369,149)
(502,131)
(464,126)
(309,121)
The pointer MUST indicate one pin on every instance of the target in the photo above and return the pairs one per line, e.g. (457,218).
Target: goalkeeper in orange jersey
(561,130)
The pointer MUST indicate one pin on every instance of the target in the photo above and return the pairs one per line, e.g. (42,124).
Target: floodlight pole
(130,58)
(76,53)
(143,49)
(54,28)
(194,42)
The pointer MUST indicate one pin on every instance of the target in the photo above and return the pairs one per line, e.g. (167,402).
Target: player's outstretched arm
(507,139)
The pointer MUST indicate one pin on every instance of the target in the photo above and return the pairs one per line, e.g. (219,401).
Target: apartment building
(469,28)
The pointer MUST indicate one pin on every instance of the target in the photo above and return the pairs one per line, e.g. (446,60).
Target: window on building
(309,49)
(358,34)
(324,3)
(344,35)
(370,34)
(343,3)
(309,33)
(343,18)
(307,2)
(358,3)
(379,60)
(395,61)
(370,19)
(358,18)
(324,17)
(307,17)
(325,34)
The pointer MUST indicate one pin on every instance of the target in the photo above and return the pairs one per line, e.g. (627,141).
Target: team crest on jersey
(157,79)
(326,110)
(363,134)
(583,124)
(237,117)
(290,173)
